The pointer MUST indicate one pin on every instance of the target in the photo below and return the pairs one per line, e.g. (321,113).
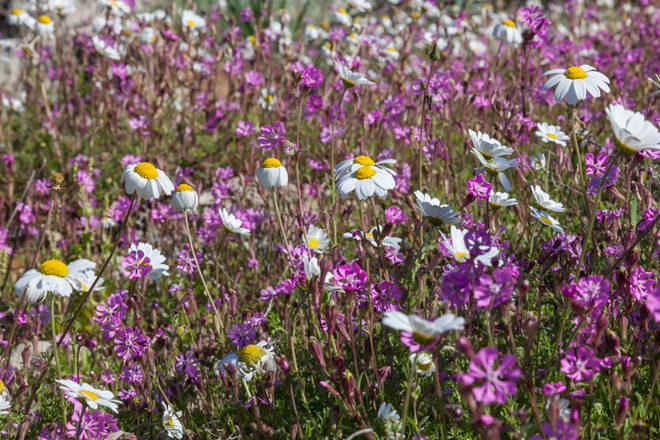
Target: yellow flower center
(16,11)
(363,160)
(269,98)
(325,24)
(546,220)
(251,354)
(575,72)
(364,172)
(551,135)
(415,15)
(190,23)
(391,49)
(313,242)
(89,395)
(341,10)
(462,254)
(2,387)
(271,162)
(55,267)
(146,170)
(424,366)
(423,339)
(44,19)
(627,149)
(348,83)
(251,39)
(184,187)
(170,422)
(509,23)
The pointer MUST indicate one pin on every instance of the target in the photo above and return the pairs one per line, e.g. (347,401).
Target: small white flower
(437,213)
(146,180)
(190,20)
(45,26)
(508,32)
(267,99)
(423,331)
(62,7)
(157,260)
(232,224)
(551,133)
(538,161)
(316,239)
(388,423)
(232,361)
(172,423)
(350,165)
(575,82)
(488,146)
(53,276)
(422,362)
(388,241)
(632,132)
(544,201)
(545,218)
(342,17)
(310,266)
(185,198)
(351,78)
(250,360)
(93,397)
(500,199)
(104,49)
(360,5)
(272,174)
(366,181)
(18,16)
(147,35)
(117,7)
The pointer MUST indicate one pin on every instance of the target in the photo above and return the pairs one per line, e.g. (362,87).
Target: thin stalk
(406,402)
(576,146)
(80,421)
(333,190)
(279,219)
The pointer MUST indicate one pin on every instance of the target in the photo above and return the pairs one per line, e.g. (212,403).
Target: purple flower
(132,373)
(242,334)
(350,276)
(136,265)
(591,292)
(554,389)
(185,261)
(386,296)
(94,425)
(246,14)
(311,77)
(493,383)
(580,364)
(562,431)
(653,304)
(244,128)
(610,180)
(641,283)
(596,165)
(395,215)
(271,136)
(187,363)
(254,78)
(494,290)
(130,343)
(478,187)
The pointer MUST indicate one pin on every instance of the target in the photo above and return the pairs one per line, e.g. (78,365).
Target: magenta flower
(350,276)
(136,265)
(311,77)
(580,364)
(591,292)
(478,187)
(271,136)
(130,343)
(494,289)
(562,431)
(395,215)
(554,389)
(493,384)
(653,304)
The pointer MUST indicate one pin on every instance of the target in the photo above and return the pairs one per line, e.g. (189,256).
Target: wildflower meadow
(350,219)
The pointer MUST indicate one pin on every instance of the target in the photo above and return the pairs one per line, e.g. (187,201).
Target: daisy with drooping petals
(488,146)
(459,251)
(156,260)
(259,357)
(351,78)
(62,7)
(544,201)
(172,422)
(551,133)
(508,32)
(437,213)
(495,165)
(342,17)
(422,362)
(365,181)
(53,276)
(233,362)
(104,49)
(192,21)
(232,224)
(45,26)
(316,239)
(632,132)
(93,397)
(388,241)
(500,199)
(574,83)
(418,333)
(185,198)
(349,165)
(147,181)
(20,17)
(272,174)
(117,7)
(546,219)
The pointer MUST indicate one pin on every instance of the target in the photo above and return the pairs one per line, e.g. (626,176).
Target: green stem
(578,157)
(332,167)
(279,219)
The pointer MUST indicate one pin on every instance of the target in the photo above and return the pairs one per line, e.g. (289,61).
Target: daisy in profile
(435,212)
(632,132)
(53,276)
(544,201)
(508,32)
(267,99)
(546,219)
(156,259)
(172,422)
(365,181)
(488,146)
(575,82)
(316,239)
(422,362)
(342,17)
(538,161)
(62,7)
(551,133)
(373,235)
(191,21)
(349,165)
(388,423)
(185,198)
(272,174)
(147,181)
(259,358)
(500,199)
(232,224)
(418,333)
(104,49)
(349,77)
(495,165)
(93,397)
(459,251)
(116,7)
(233,363)
(45,26)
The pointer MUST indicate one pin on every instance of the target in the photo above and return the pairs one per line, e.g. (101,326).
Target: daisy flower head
(544,201)
(232,224)
(495,165)
(93,397)
(192,21)
(117,7)
(546,219)
(259,357)
(185,198)
(62,7)
(172,422)
(52,276)
(342,17)
(500,199)
(508,32)
(632,132)
(436,213)
(18,16)
(233,362)
(350,165)
(366,181)
(538,161)
(349,77)
(316,239)
(422,362)
(551,133)
(267,99)
(156,260)
(104,49)
(488,146)
(147,181)
(5,404)
(360,5)
(418,333)
(373,235)
(45,26)
(575,82)
(272,174)
(388,423)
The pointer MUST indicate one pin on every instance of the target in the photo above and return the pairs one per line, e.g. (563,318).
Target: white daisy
(488,146)
(147,35)
(538,161)
(232,361)
(508,32)
(104,49)
(436,213)
(62,7)
(185,198)
(232,224)
(461,253)
(5,404)
(423,331)
(259,358)
(632,132)
(365,181)
(192,21)
(45,26)
(495,165)
(350,165)
(544,201)
(388,241)
(500,199)
(146,180)
(267,99)
(272,174)
(18,16)
(93,397)
(575,82)
(316,239)
(360,5)
(117,7)
(545,218)
(342,17)
(349,77)
(391,53)
(551,133)
(423,363)
(388,423)
(172,423)
(158,269)
(53,276)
